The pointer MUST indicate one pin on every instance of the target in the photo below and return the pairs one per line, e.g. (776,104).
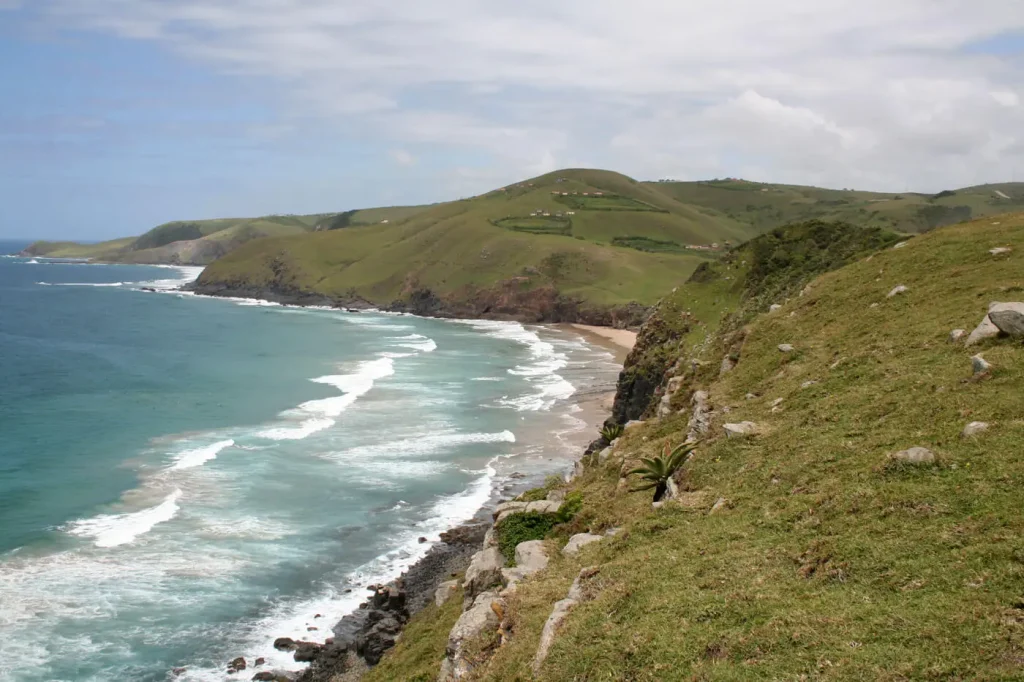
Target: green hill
(805,550)
(540,249)
(764,206)
(199,242)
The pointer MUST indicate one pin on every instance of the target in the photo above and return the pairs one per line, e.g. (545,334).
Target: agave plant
(611,432)
(657,471)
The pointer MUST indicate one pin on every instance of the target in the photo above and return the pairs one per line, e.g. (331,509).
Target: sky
(118,115)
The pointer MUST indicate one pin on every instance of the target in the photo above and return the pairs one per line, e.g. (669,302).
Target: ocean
(184,479)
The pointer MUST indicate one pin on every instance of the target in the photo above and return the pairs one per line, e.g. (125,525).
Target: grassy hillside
(589,235)
(202,241)
(823,558)
(764,206)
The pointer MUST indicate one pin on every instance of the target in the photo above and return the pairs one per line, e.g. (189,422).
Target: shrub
(570,507)
(522,527)
(611,432)
(657,471)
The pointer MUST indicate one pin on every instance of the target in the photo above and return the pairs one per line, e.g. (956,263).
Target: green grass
(76,250)
(827,562)
(610,202)
(537,225)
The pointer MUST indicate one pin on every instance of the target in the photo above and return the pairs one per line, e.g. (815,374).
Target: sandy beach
(618,341)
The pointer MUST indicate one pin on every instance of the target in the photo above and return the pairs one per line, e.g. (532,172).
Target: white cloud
(845,92)
(402,157)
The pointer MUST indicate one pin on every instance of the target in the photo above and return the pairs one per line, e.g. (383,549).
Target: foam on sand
(111,530)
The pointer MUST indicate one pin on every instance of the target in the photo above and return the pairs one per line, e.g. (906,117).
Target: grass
(537,225)
(827,562)
(610,202)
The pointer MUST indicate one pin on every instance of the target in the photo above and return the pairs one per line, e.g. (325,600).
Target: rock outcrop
(578,542)
(479,621)
(915,455)
(1008,318)
(484,572)
(559,613)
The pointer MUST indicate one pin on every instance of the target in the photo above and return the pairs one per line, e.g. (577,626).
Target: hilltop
(199,242)
(800,540)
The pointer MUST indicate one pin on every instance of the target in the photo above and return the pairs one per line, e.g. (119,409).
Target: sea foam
(199,456)
(111,530)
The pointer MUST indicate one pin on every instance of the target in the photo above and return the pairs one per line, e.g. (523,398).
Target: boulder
(785,348)
(773,307)
(479,620)
(531,556)
(1000,249)
(956,335)
(985,330)
(578,541)
(543,507)
(980,365)
(604,454)
(236,665)
(915,455)
(445,591)
(259,661)
(490,538)
(484,572)
(700,418)
(306,651)
(896,291)
(284,644)
(505,507)
(974,428)
(557,495)
(1008,317)
(739,430)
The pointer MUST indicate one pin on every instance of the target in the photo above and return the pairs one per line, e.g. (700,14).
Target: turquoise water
(183,479)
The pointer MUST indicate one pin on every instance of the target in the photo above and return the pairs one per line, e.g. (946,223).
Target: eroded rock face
(445,591)
(700,418)
(915,455)
(480,620)
(559,614)
(484,572)
(1008,317)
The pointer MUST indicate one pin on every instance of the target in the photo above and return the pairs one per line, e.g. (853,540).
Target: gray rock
(490,538)
(578,541)
(974,428)
(700,419)
(558,615)
(873,305)
(556,496)
(484,572)
(739,430)
(1008,317)
(915,455)
(633,422)
(985,330)
(445,591)
(980,365)
(1000,249)
(604,454)
(509,507)
(778,401)
(510,577)
(900,245)
(543,507)
(808,384)
(718,506)
(785,348)
(479,620)
(773,307)
(956,335)
(613,531)
(750,396)
(896,291)
(531,556)
(726,366)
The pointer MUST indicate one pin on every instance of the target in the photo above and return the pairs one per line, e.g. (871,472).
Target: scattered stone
(778,401)
(915,455)
(531,556)
(577,542)
(179,671)
(980,365)
(259,661)
(509,507)
(236,665)
(484,572)
(556,496)
(900,245)
(974,428)
(985,330)
(785,348)
(808,384)
(633,422)
(896,291)
(873,305)
(750,396)
(726,366)
(480,619)
(310,628)
(422,540)
(1000,249)
(604,454)
(741,429)
(445,591)
(1008,317)
(718,505)
(956,335)
(773,307)
(490,538)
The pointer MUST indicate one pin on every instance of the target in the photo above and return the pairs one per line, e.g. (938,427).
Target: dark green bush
(522,527)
